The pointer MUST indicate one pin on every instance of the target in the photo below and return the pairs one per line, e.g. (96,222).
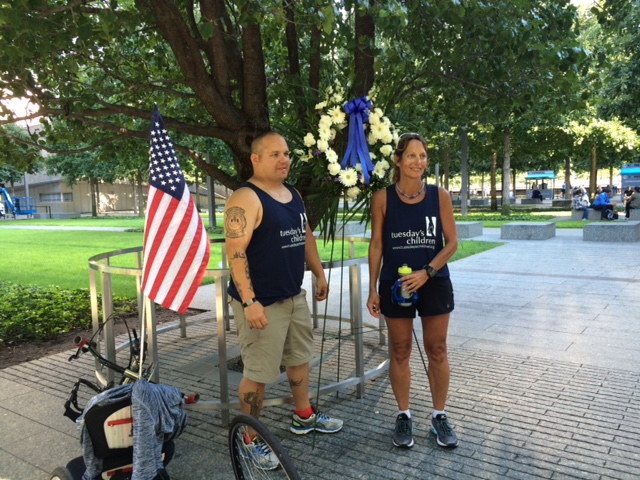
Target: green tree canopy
(230,69)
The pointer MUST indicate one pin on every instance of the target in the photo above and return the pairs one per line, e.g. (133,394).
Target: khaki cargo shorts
(287,340)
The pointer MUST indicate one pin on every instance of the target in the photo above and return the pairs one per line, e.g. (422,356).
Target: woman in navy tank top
(413,226)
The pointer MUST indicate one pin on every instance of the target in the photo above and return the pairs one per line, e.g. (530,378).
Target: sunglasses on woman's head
(411,136)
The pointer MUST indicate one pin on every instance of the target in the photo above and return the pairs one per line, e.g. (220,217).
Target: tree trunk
(140,195)
(198,206)
(567,178)
(92,189)
(446,160)
(494,167)
(97,197)
(365,31)
(506,167)
(134,192)
(611,176)
(464,174)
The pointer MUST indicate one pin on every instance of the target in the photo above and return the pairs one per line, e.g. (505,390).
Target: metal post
(222,350)
(152,340)
(107,311)
(355,287)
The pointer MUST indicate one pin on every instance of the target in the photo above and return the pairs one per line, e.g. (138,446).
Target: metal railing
(103,265)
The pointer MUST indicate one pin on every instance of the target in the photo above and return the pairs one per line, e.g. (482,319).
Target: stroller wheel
(61,473)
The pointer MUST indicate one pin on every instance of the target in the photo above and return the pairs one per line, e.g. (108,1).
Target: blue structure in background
(538,178)
(630,175)
(18,205)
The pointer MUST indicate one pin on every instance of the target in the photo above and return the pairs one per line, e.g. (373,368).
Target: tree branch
(187,54)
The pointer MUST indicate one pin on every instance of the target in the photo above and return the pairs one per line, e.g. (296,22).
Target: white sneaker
(260,454)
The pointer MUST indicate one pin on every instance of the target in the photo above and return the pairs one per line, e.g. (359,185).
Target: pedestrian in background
(633,202)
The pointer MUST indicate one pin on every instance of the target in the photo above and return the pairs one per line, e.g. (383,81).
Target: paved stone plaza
(545,380)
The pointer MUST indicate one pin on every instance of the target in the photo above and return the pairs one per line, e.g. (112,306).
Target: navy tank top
(276,250)
(412,233)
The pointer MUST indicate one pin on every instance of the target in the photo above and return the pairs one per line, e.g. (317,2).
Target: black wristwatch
(431,272)
(249,302)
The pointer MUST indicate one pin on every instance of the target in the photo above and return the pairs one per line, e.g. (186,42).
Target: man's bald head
(258,143)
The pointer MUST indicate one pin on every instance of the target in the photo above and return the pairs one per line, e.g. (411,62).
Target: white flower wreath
(380,134)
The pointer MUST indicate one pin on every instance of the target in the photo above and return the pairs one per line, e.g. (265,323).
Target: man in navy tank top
(268,242)
(413,235)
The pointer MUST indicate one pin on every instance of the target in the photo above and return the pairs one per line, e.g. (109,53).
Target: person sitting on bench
(632,202)
(536,194)
(604,205)
(581,202)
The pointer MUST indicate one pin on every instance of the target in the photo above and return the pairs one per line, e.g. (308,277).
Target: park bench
(469,229)
(528,230)
(561,203)
(530,201)
(593,214)
(634,214)
(612,231)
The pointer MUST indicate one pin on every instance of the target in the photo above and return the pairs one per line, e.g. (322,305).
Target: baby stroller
(127,430)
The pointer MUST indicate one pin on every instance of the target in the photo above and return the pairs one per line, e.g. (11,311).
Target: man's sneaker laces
(260,454)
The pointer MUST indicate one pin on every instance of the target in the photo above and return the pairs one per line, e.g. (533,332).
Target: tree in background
(103,65)
(606,135)
(17,158)
(229,70)
(616,43)
(508,64)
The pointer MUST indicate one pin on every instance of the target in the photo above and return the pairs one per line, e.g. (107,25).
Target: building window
(56,197)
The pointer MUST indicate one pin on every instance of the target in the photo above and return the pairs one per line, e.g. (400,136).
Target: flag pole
(143,323)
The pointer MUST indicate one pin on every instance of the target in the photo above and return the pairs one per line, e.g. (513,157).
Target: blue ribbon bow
(357,148)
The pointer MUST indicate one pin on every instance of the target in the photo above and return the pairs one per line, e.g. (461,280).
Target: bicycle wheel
(246,465)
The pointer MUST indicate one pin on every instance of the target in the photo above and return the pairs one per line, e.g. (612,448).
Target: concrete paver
(545,381)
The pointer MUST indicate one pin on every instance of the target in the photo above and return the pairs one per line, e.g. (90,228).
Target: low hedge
(30,312)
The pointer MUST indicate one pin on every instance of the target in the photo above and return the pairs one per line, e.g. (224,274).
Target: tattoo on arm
(253,400)
(246,272)
(235,222)
(238,256)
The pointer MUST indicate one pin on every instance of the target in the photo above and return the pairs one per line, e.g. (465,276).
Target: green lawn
(61,257)
(104,221)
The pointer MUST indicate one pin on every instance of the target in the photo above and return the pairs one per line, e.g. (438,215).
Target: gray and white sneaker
(403,434)
(445,436)
(260,454)
(318,421)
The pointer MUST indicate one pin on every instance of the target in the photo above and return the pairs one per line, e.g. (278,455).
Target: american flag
(176,245)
